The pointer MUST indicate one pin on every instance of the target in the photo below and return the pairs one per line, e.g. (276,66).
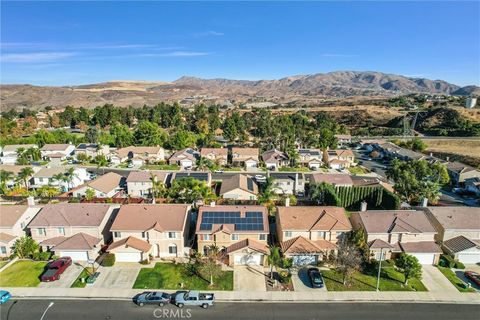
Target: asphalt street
(112,310)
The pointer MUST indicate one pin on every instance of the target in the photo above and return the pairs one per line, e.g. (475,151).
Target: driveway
(66,279)
(120,276)
(468,267)
(302,283)
(249,278)
(435,281)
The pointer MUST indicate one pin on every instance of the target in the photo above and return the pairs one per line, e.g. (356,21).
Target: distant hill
(300,89)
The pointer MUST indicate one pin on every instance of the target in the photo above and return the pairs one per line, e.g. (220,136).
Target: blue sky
(62,43)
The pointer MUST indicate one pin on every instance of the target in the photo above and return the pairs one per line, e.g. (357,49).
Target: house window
(234,236)
(41,232)
(172,235)
(61,231)
(288,233)
(3,250)
(262,237)
(172,249)
(144,234)
(206,237)
(321,234)
(117,234)
(40,179)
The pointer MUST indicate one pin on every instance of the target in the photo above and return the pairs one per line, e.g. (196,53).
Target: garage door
(128,256)
(75,255)
(304,260)
(248,258)
(424,258)
(469,258)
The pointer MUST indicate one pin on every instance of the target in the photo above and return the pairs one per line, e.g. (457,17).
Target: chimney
(212,204)
(31,201)
(431,154)
(363,206)
(448,159)
(295,186)
(424,203)
(287,202)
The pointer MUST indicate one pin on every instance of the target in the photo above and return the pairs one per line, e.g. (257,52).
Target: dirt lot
(460,146)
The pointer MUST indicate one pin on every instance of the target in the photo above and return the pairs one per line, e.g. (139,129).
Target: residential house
(198,175)
(240,232)
(311,158)
(288,183)
(46,177)
(108,185)
(140,183)
(186,158)
(141,155)
(460,172)
(392,151)
(275,159)
(15,170)
(10,152)
(389,233)
(57,153)
(343,139)
(239,187)
(339,159)
(245,157)
(216,155)
(159,230)
(13,225)
(308,234)
(458,231)
(335,179)
(76,230)
(92,150)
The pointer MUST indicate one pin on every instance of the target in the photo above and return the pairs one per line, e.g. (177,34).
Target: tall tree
(25,174)
(409,266)
(348,259)
(149,134)
(274,259)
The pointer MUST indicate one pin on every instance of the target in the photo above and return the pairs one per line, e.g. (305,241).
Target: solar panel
(253,220)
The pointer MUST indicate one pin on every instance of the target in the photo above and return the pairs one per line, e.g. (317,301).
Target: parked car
(56,268)
(474,276)
(260,177)
(315,277)
(194,298)
(153,297)
(4,296)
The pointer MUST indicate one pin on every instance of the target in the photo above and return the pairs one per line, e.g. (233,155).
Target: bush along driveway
(456,281)
(176,276)
(23,273)
(390,280)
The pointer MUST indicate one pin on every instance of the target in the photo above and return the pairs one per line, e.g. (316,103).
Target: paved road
(113,310)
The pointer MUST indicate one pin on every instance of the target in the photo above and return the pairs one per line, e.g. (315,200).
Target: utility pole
(379,268)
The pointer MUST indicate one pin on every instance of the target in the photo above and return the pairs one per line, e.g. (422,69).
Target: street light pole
(49,306)
(379,268)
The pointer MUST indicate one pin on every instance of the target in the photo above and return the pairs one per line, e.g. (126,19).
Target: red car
(56,268)
(475,277)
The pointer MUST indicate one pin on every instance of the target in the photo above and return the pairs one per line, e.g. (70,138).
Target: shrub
(109,260)
(41,256)
(446,261)
(145,261)
(459,265)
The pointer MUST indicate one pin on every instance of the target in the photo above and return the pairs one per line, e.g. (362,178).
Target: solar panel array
(253,220)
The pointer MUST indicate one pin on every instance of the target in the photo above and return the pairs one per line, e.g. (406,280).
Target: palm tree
(273,259)
(158,188)
(25,174)
(5,176)
(293,156)
(268,196)
(69,176)
(204,164)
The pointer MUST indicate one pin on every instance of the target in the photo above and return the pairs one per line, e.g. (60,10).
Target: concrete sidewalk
(252,296)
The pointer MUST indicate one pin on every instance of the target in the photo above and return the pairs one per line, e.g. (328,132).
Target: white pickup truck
(193,298)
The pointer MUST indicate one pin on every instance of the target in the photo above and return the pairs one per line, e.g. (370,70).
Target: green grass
(3,262)
(456,281)
(161,167)
(169,276)
(390,280)
(357,170)
(22,274)
(232,169)
(84,274)
(294,169)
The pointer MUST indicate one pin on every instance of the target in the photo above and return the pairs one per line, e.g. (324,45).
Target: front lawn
(84,274)
(357,170)
(294,169)
(170,276)
(456,281)
(3,262)
(160,167)
(22,273)
(390,280)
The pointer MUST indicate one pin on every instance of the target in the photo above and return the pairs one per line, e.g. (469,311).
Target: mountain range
(299,89)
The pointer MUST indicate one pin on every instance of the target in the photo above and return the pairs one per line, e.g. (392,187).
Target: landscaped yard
(160,167)
(357,170)
(456,281)
(170,276)
(294,169)
(3,262)
(391,280)
(23,273)
(84,274)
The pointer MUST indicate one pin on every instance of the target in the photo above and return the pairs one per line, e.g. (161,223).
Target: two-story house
(389,233)
(105,186)
(275,159)
(50,177)
(339,159)
(56,153)
(310,158)
(76,230)
(186,158)
(240,232)
(157,230)
(10,152)
(458,231)
(216,155)
(309,234)
(92,150)
(245,157)
(459,172)
(139,154)
(13,225)
(288,183)
(140,183)
(239,187)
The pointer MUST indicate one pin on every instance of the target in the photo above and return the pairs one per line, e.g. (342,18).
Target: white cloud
(209,33)
(34,57)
